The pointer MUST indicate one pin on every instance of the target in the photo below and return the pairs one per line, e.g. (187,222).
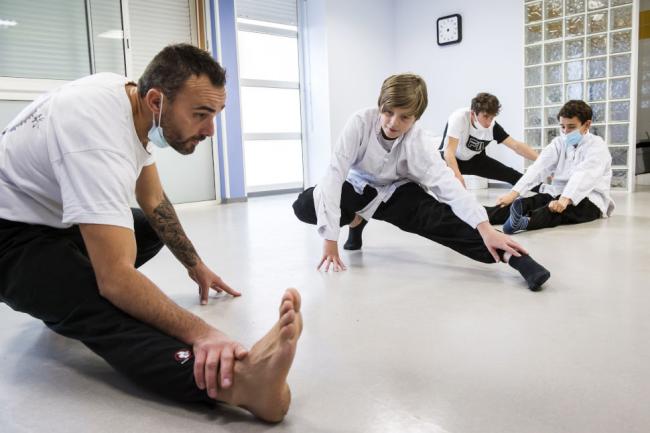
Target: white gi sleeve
(587,174)
(327,194)
(428,168)
(541,169)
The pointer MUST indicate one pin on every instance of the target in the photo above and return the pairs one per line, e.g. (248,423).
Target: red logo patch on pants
(183,355)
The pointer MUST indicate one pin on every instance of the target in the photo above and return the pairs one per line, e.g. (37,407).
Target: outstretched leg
(484,166)
(260,382)
(533,214)
(413,210)
(499,215)
(582,212)
(46,273)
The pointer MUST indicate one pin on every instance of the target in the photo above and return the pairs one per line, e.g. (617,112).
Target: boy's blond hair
(407,91)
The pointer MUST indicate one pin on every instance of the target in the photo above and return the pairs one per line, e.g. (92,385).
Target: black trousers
(411,209)
(484,166)
(45,272)
(536,207)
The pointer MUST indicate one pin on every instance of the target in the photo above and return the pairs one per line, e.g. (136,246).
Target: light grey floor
(412,338)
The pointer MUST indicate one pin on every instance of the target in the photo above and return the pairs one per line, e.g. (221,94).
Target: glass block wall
(580,49)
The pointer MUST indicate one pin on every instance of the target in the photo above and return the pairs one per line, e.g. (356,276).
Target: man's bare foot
(356,221)
(260,381)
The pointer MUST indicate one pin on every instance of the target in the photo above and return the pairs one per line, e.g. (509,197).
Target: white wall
(354,45)
(351,46)
(361,55)
(316,128)
(489,58)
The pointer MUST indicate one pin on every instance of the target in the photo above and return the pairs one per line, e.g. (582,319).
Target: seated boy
(580,189)
(380,168)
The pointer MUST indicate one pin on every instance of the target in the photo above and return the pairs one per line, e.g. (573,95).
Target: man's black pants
(411,209)
(45,272)
(536,207)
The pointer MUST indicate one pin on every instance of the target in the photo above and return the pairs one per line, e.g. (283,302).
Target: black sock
(354,237)
(534,273)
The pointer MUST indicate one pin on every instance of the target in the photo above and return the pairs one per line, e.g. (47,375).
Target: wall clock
(450,29)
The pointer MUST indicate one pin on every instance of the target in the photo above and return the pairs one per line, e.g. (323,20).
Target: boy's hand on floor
(331,257)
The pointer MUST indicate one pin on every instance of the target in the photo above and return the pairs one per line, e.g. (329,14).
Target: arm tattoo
(164,221)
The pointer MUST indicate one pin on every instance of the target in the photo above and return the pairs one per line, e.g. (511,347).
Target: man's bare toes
(286,307)
(287,318)
(288,331)
(294,296)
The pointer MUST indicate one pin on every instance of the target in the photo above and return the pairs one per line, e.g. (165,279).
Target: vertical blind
(273,11)
(43,39)
(155,25)
(106,19)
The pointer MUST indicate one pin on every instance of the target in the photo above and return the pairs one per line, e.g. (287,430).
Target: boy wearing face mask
(469,131)
(580,189)
(380,168)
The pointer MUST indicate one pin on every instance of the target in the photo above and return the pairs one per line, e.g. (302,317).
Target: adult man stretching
(70,245)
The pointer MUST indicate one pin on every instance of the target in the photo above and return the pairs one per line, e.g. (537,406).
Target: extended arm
(163,219)
(521,148)
(112,252)
(450,158)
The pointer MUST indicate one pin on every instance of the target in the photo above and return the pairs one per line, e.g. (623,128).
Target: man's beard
(176,142)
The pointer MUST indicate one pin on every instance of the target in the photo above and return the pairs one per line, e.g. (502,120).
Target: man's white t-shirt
(73,156)
(471,140)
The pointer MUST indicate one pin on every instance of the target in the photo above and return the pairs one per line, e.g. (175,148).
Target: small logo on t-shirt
(183,356)
(477,145)
(37,118)
(34,117)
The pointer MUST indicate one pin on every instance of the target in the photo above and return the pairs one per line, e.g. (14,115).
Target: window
(267,38)
(45,43)
(62,40)
(69,39)
(156,26)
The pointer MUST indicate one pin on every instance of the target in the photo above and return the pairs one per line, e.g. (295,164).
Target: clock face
(449,30)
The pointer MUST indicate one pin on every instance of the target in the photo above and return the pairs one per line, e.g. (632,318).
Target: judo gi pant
(536,207)
(411,209)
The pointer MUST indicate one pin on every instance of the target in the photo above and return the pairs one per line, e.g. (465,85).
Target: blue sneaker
(516,221)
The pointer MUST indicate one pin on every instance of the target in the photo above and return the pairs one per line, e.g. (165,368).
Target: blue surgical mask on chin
(573,138)
(155,134)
